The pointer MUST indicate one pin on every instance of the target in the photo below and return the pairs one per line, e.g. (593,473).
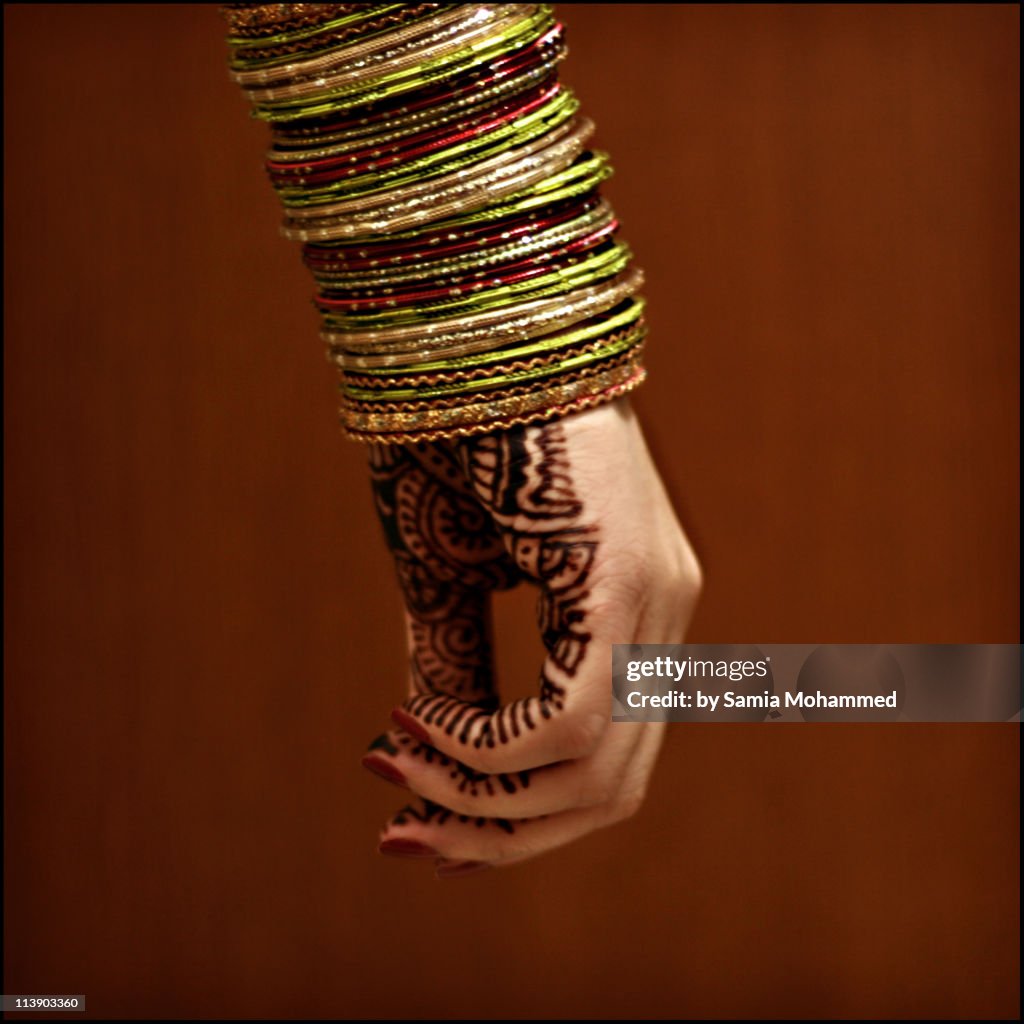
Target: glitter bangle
(469,275)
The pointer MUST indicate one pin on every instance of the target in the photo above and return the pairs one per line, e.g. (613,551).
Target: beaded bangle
(469,275)
(261,20)
(272,51)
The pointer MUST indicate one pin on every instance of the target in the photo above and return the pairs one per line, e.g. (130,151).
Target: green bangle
(589,271)
(369,88)
(518,133)
(538,373)
(536,347)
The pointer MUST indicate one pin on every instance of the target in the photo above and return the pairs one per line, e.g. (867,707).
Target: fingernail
(406,848)
(405,721)
(385,769)
(458,868)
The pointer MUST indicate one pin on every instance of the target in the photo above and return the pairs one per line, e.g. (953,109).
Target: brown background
(202,633)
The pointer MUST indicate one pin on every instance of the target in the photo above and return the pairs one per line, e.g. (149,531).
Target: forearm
(474,293)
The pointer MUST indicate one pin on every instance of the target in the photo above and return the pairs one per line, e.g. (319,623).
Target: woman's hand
(577,508)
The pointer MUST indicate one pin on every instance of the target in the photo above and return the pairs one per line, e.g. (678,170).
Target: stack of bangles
(470,276)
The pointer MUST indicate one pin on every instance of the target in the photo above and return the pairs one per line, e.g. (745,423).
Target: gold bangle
(462,399)
(453,109)
(475,400)
(380,18)
(364,91)
(342,55)
(605,352)
(501,162)
(494,415)
(546,243)
(248,20)
(400,127)
(480,331)
(372,180)
(468,189)
(403,57)
(596,327)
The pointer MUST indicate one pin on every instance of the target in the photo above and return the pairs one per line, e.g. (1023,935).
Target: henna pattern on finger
(429,813)
(483,727)
(463,519)
(468,781)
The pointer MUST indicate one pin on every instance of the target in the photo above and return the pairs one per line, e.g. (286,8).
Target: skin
(576,507)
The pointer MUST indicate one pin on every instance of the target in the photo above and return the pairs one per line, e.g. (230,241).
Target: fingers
(497,785)
(431,830)
(426,829)
(586,782)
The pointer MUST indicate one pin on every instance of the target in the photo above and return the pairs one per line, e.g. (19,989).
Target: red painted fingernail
(458,868)
(406,848)
(385,769)
(405,721)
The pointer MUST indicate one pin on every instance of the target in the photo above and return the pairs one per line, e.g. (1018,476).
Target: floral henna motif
(449,556)
(522,477)
(522,473)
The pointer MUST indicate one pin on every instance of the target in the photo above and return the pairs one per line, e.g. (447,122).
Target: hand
(576,507)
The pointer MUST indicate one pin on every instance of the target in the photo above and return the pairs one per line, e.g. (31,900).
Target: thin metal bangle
(481,332)
(340,56)
(450,36)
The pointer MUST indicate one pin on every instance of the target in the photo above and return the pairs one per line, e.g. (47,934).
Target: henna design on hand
(522,477)
(522,472)
(463,519)
(449,556)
